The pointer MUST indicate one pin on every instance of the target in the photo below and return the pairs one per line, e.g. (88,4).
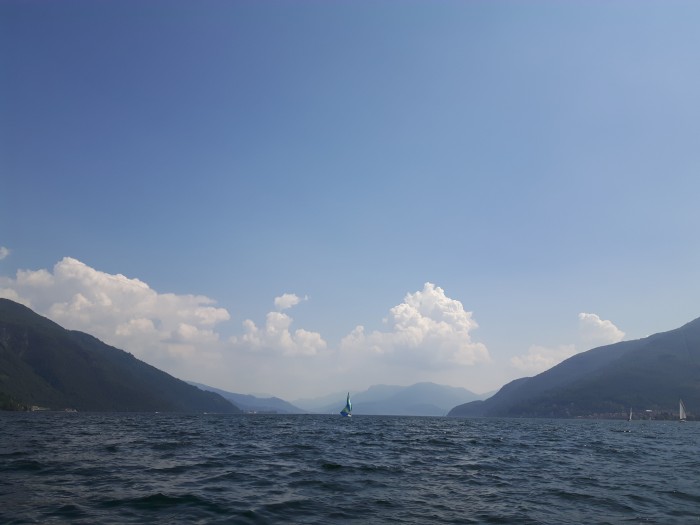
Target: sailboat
(630,418)
(681,411)
(347,411)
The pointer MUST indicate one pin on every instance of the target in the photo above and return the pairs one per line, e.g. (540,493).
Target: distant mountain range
(250,404)
(420,399)
(648,375)
(45,365)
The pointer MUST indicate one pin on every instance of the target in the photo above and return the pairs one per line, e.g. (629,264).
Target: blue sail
(347,411)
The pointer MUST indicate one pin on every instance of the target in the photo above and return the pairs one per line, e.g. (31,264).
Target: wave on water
(144,468)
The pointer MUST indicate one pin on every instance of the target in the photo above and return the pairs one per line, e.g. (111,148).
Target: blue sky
(532,161)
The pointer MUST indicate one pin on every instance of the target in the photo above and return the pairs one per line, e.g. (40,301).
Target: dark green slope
(43,364)
(646,374)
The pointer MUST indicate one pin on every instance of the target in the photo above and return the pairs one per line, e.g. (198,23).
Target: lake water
(164,468)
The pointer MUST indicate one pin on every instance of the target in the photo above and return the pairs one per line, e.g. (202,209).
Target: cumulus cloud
(287,300)
(540,358)
(162,329)
(276,337)
(598,331)
(427,329)
(592,329)
(4,252)
(176,333)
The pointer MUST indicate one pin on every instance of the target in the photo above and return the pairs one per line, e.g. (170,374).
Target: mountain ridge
(43,364)
(650,373)
(419,399)
(253,404)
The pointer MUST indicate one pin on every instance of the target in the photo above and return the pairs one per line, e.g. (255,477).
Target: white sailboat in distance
(347,411)
(681,411)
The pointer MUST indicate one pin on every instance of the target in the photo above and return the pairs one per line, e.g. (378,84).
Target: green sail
(347,411)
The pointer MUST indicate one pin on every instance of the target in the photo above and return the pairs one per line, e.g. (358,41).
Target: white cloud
(176,333)
(167,330)
(4,252)
(287,300)
(595,330)
(540,358)
(428,335)
(9,293)
(276,338)
(428,329)
(592,329)
(37,279)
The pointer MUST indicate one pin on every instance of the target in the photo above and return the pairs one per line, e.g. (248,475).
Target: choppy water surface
(123,468)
